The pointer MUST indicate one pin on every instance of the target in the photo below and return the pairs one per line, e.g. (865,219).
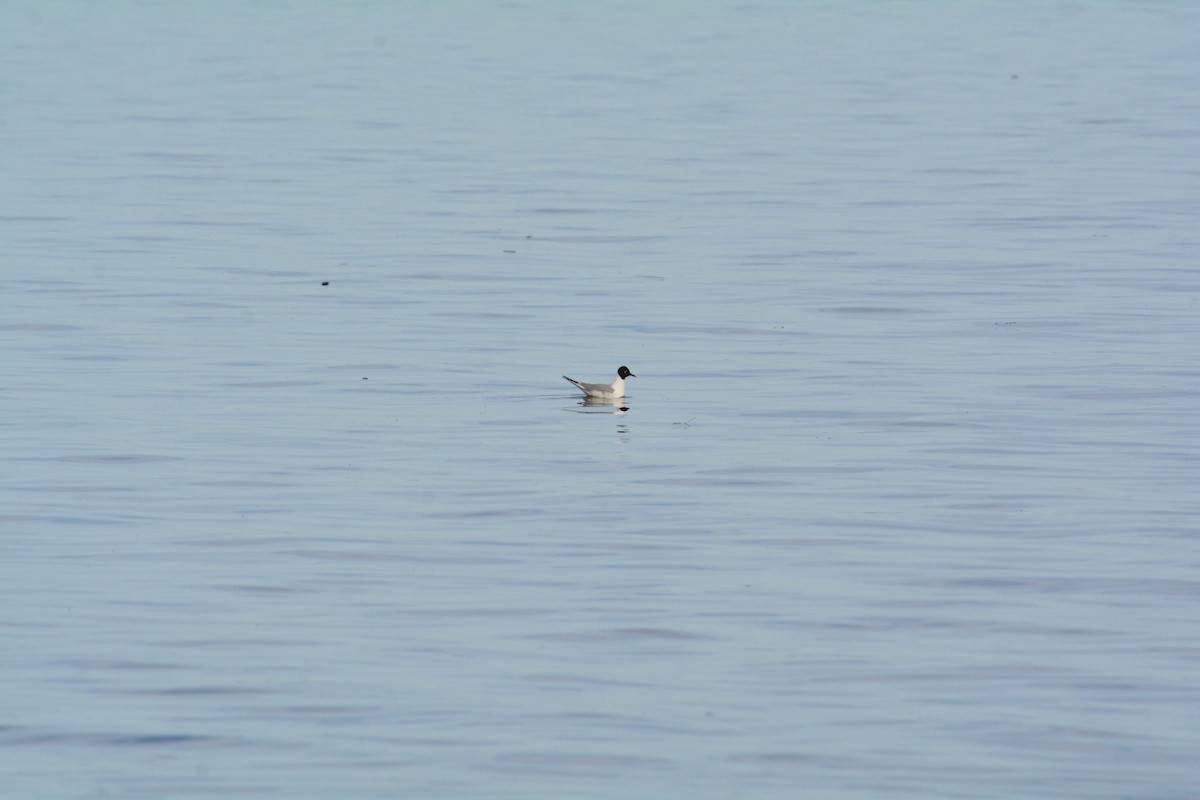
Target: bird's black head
(624,372)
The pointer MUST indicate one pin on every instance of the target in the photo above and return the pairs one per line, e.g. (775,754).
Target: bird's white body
(605,390)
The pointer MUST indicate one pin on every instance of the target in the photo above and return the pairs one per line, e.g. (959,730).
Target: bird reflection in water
(614,405)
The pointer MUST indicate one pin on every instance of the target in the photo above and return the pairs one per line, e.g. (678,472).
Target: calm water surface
(902,504)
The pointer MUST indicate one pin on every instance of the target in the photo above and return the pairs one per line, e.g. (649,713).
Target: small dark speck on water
(324,283)
(510,251)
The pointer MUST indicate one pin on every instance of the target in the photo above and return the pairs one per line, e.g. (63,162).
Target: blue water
(902,499)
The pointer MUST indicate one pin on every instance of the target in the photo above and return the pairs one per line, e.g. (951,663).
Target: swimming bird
(615,389)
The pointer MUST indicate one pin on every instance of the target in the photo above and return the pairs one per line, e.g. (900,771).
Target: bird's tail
(578,385)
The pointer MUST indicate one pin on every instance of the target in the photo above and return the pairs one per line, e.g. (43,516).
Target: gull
(615,389)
